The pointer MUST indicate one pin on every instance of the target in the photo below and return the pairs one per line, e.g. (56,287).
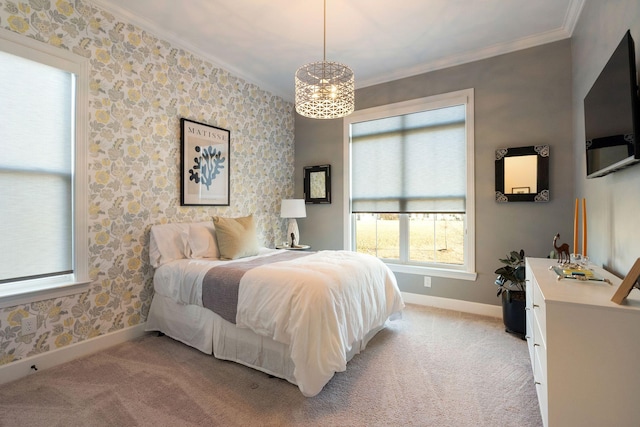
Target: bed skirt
(204,330)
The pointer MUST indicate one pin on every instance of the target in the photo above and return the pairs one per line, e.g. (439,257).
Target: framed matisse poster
(204,167)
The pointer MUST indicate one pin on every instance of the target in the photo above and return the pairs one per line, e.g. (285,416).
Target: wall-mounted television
(611,114)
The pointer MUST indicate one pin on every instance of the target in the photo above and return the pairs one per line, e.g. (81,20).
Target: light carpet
(431,368)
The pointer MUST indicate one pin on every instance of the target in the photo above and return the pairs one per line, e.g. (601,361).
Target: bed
(296,315)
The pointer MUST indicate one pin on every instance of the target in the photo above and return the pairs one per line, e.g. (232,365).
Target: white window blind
(412,163)
(36,169)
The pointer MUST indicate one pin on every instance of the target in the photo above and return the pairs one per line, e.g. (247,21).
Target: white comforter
(319,305)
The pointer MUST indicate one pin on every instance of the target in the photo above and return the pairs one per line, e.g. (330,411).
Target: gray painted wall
(613,201)
(319,142)
(521,99)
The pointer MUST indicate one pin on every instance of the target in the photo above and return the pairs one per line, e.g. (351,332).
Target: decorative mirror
(317,184)
(522,174)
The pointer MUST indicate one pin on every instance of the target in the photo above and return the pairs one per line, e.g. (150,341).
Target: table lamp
(292,209)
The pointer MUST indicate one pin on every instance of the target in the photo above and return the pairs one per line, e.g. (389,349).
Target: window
(42,171)
(411,184)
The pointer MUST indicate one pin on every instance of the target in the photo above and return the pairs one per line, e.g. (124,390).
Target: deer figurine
(562,250)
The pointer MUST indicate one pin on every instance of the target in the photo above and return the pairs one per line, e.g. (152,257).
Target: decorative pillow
(236,237)
(202,241)
(168,242)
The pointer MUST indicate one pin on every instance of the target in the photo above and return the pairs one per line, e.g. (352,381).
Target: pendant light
(324,89)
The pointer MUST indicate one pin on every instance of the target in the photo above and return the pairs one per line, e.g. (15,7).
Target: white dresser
(585,349)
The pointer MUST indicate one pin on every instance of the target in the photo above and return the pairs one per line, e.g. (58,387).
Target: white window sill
(431,271)
(12,294)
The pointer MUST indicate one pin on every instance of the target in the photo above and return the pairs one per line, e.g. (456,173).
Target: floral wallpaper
(140,87)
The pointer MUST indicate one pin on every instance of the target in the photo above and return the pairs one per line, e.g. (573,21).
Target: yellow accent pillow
(237,237)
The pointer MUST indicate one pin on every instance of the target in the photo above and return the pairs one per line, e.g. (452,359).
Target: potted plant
(511,286)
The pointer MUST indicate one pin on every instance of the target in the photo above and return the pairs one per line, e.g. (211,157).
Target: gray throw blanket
(220,284)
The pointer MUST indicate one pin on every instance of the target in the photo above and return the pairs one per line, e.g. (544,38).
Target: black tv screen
(611,114)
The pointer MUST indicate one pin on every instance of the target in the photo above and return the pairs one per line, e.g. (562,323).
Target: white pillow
(202,241)
(168,242)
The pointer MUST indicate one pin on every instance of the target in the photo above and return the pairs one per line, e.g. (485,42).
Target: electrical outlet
(29,325)
(427,281)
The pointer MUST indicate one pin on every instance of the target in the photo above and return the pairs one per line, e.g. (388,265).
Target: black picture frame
(205,164)
(317,184)
(542,153)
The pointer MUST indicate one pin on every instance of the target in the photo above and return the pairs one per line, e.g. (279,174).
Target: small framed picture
(204,165)
(631,280)
(520,190)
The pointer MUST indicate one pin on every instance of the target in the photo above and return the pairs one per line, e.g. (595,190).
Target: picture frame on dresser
(630,281)
(204,166)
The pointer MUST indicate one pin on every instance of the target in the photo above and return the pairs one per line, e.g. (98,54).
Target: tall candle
(584,227)
(575,230)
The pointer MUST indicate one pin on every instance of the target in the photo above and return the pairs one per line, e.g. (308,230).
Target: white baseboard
(22,368)
(454,304)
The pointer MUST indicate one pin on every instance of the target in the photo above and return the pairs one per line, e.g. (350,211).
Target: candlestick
(575,230)
(584,227)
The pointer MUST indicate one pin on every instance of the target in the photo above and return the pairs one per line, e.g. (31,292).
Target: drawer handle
(537,383)
(536,345)
(536,306)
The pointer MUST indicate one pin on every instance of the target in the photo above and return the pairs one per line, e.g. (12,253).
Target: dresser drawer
(530,335)
(540,351)
(539,312)
(540,378)
(529,293)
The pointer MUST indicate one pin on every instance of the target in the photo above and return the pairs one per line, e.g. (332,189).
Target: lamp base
(293,234)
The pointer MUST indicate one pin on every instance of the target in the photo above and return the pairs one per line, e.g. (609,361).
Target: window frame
(25,291)
(466,96)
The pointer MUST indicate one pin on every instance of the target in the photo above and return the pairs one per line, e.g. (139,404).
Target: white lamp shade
(293,208)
